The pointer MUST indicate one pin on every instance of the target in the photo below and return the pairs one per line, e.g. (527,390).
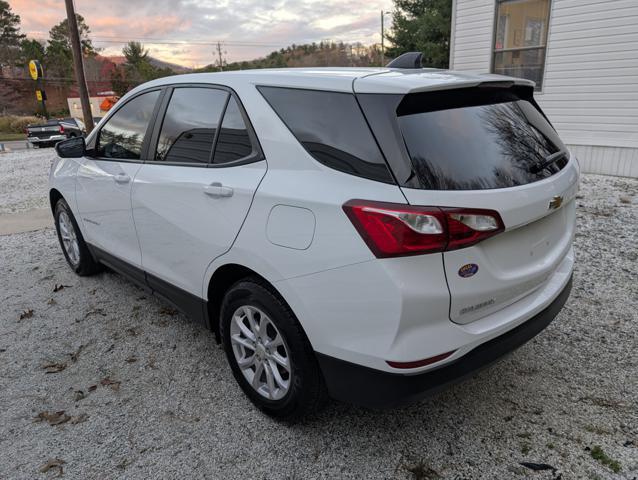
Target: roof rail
(407,60)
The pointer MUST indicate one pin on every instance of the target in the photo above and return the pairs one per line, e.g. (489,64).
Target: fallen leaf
(114,384)
(92,388)
(51,464)
(79,419)
(79,395)
(54,367)
(131,359)
(53,418)
(51,301)
(57,287)
(96,311)
(26,314)
(171,312)
(624,199)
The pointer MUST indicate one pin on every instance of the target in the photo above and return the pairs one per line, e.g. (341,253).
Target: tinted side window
(189,126)
(123,134)
(233,142)
(332,129)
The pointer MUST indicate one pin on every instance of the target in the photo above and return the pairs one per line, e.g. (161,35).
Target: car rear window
(470,140)
(332,128)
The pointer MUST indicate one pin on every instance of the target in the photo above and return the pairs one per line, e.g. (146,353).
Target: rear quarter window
(332,128)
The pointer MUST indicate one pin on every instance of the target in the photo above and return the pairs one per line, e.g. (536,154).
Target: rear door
(191,199)
(492,149)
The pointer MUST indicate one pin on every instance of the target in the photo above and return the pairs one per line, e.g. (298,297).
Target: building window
(520,39)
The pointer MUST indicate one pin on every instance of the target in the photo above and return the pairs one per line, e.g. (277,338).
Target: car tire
(74,247)
(299,390)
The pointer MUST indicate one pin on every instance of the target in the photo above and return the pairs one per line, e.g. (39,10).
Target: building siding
(590,89)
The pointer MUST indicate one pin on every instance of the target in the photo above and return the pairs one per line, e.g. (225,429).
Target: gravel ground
(145,393)
(23,180)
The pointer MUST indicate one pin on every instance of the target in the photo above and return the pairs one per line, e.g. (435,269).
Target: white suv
(365,234)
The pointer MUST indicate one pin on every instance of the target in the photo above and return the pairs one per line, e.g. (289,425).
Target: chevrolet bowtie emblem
(555,202)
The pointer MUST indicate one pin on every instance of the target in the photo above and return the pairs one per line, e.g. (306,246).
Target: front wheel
(73,245)
(270,356)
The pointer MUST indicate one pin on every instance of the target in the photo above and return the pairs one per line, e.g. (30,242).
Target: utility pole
(382,35)
(78,65)
(221,59)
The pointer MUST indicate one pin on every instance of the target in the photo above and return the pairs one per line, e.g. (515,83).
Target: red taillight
(468,226)
(420,363)
(61,129)
(394,230)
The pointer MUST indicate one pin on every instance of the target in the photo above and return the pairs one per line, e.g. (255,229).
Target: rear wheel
(269,354)
(73,245)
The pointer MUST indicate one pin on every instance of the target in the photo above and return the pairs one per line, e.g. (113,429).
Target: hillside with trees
(322,54)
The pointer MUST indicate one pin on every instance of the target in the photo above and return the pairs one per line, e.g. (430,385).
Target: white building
(583,54)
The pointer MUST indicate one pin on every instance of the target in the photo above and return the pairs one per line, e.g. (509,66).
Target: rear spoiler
(413,61)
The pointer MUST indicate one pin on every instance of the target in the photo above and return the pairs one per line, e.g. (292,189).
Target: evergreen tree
(31,49)
(10,36)
(422,26)
(59,58)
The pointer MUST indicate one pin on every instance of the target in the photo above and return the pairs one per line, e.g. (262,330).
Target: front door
(191,200)
(105,178)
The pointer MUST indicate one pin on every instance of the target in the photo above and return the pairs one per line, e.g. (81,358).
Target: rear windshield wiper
(549,159)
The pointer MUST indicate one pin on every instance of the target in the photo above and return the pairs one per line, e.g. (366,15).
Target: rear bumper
(352,383)
(52,138)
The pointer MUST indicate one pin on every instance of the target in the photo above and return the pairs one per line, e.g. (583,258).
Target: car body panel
(166,199)
(517,261)
(104,207)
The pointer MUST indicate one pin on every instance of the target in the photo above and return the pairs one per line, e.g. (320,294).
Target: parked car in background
(54,130)
(369,234)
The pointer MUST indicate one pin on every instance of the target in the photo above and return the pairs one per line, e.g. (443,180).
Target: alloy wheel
(69,238)
(261,352)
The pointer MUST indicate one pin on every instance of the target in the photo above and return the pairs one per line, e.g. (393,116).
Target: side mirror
(71,148)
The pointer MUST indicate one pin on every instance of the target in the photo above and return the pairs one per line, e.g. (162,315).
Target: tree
(137,69)
(58,53)
(59,36)
(120,82)
(135,53)
(31,49)
(10,36)
(138,66)
(423,26)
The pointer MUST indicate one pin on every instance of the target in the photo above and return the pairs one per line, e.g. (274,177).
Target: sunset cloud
(185,31)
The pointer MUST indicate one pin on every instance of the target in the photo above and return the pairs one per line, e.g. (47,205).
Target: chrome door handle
(122,178)
(217,190)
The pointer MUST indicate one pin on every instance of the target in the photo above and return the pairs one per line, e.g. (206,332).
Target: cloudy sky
(184,31)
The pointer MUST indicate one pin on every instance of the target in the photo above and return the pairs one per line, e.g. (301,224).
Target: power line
(161,41)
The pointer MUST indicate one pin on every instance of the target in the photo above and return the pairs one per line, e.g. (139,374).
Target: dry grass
(15,124)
